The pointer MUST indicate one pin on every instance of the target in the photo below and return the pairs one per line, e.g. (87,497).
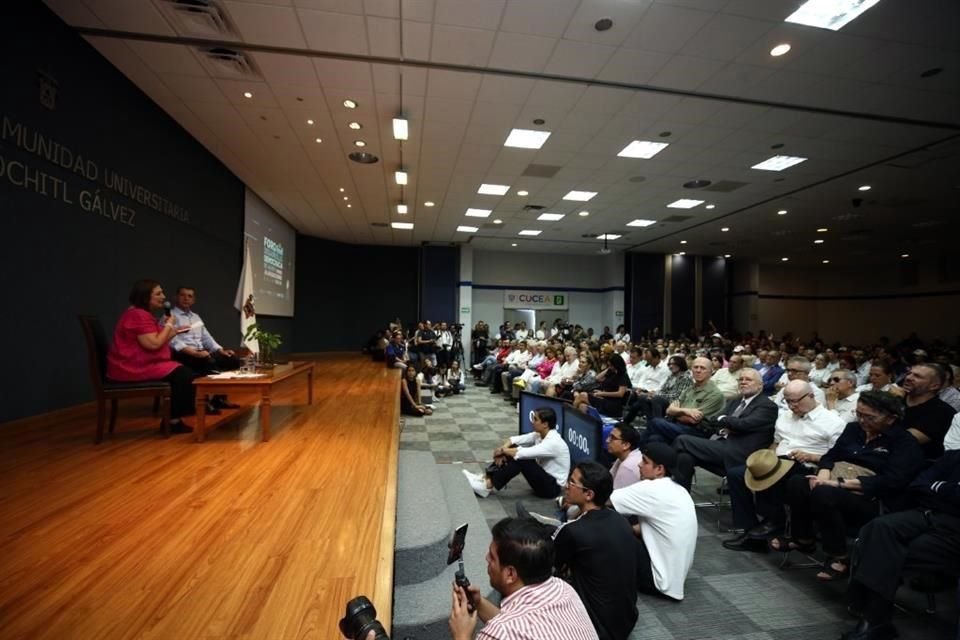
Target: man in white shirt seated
(533,604)
(667,529)
(516,364)
(653,375)
(801,435)
(726,378)
(841,395)
(635,366)
(798,368)
(951,441)
(542,457)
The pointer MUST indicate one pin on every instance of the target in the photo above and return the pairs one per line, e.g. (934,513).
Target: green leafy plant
(268,341)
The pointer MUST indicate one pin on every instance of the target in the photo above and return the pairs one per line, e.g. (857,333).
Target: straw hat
(764,469)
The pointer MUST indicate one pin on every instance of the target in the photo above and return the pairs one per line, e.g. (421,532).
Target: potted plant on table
(267,341)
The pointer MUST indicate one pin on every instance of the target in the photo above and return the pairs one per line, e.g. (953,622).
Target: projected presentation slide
(272,242)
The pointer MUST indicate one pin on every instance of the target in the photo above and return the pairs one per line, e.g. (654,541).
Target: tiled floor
(729,595)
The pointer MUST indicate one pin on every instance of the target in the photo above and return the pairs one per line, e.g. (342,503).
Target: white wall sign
(534,299)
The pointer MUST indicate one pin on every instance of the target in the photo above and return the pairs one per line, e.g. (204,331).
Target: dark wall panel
(73,129)
(346,292)
(643,292)
(682,292)
(714,288)
(439,275)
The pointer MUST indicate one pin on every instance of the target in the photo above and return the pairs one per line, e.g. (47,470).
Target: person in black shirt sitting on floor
(596,553)
(925,539)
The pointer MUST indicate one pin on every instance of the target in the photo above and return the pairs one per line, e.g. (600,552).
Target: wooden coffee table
(209,386)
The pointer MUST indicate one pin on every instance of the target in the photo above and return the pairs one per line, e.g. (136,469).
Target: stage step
(420,610)
(423,520)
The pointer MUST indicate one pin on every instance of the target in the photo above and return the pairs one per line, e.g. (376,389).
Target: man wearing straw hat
(801,435)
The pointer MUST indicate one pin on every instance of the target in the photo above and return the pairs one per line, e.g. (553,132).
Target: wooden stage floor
(141,537)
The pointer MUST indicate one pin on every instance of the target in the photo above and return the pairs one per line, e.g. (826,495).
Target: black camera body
(360,619)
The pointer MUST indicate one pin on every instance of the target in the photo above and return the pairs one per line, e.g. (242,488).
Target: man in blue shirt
(196,348)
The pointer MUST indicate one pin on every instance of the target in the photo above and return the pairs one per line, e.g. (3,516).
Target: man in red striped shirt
(535,605)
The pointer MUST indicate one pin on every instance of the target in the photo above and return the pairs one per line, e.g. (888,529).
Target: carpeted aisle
(729,595)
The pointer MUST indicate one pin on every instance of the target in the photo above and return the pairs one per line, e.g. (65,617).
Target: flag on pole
(244,302)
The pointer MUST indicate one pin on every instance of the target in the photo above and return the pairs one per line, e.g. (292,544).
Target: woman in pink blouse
(140,351)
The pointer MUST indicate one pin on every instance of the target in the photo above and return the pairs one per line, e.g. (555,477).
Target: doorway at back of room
(533,317)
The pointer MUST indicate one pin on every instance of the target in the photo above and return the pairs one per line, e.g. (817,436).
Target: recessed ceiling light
(727,255)
(550,217)
(523,193)
(247,94)
(782,212)
(824,262)
(822,230)
(349,104)
(580,196)
(583,214)
(309,121)
(682,253)
(318,140)
(642,149)
(402,209)
(530,232)
(346,197)
(696,184)
(780,49)
(493,189)
(724,229)
(349,206)
(400,177)
(684,203)
(402,225)
(865,187)
(466,229)
(513,244)
(829,14)
(609,236)
(401,129)
(356,126)
(778,163)
(818,241)
(683,242)
(342,189)
(479,213)
(526,138)
(711,206)
(360,143)
(784,259)
(498,221)
(640,222)
(904,255)
(429,203)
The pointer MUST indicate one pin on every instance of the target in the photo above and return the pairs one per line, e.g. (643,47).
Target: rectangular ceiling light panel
(609,236)
(465,229)
(778,163)
(580,196)
(401,130)
(526,139)
(530,232)
(551,217)
(642,149)
(684,203)
(402,225)
(493,189)
(479,213)
(829,14)
(640,222)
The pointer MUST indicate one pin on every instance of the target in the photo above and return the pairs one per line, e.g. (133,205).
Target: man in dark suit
(745,425)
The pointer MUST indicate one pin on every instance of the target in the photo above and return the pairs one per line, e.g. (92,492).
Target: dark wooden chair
(113,391)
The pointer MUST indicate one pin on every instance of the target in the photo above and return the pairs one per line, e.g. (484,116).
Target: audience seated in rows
(653,404)
(690,413)
(610,396)
(842,395)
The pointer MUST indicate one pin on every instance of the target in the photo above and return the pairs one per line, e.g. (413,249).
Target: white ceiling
(471,70)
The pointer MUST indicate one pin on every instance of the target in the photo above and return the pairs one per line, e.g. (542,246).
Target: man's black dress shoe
(221,402)
(746,543)
(763,530)
(181,427)
(867,631)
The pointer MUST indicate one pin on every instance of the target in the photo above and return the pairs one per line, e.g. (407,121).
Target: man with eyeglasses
(689,413)
(842,394)
(801,435)
(596,553)
(798,368)
(622,445)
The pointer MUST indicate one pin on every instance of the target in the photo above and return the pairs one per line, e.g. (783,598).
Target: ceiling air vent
(534,207)
(540,171)
(379,225)
(206,18)
(227,63)
(725,186)
(675,218)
